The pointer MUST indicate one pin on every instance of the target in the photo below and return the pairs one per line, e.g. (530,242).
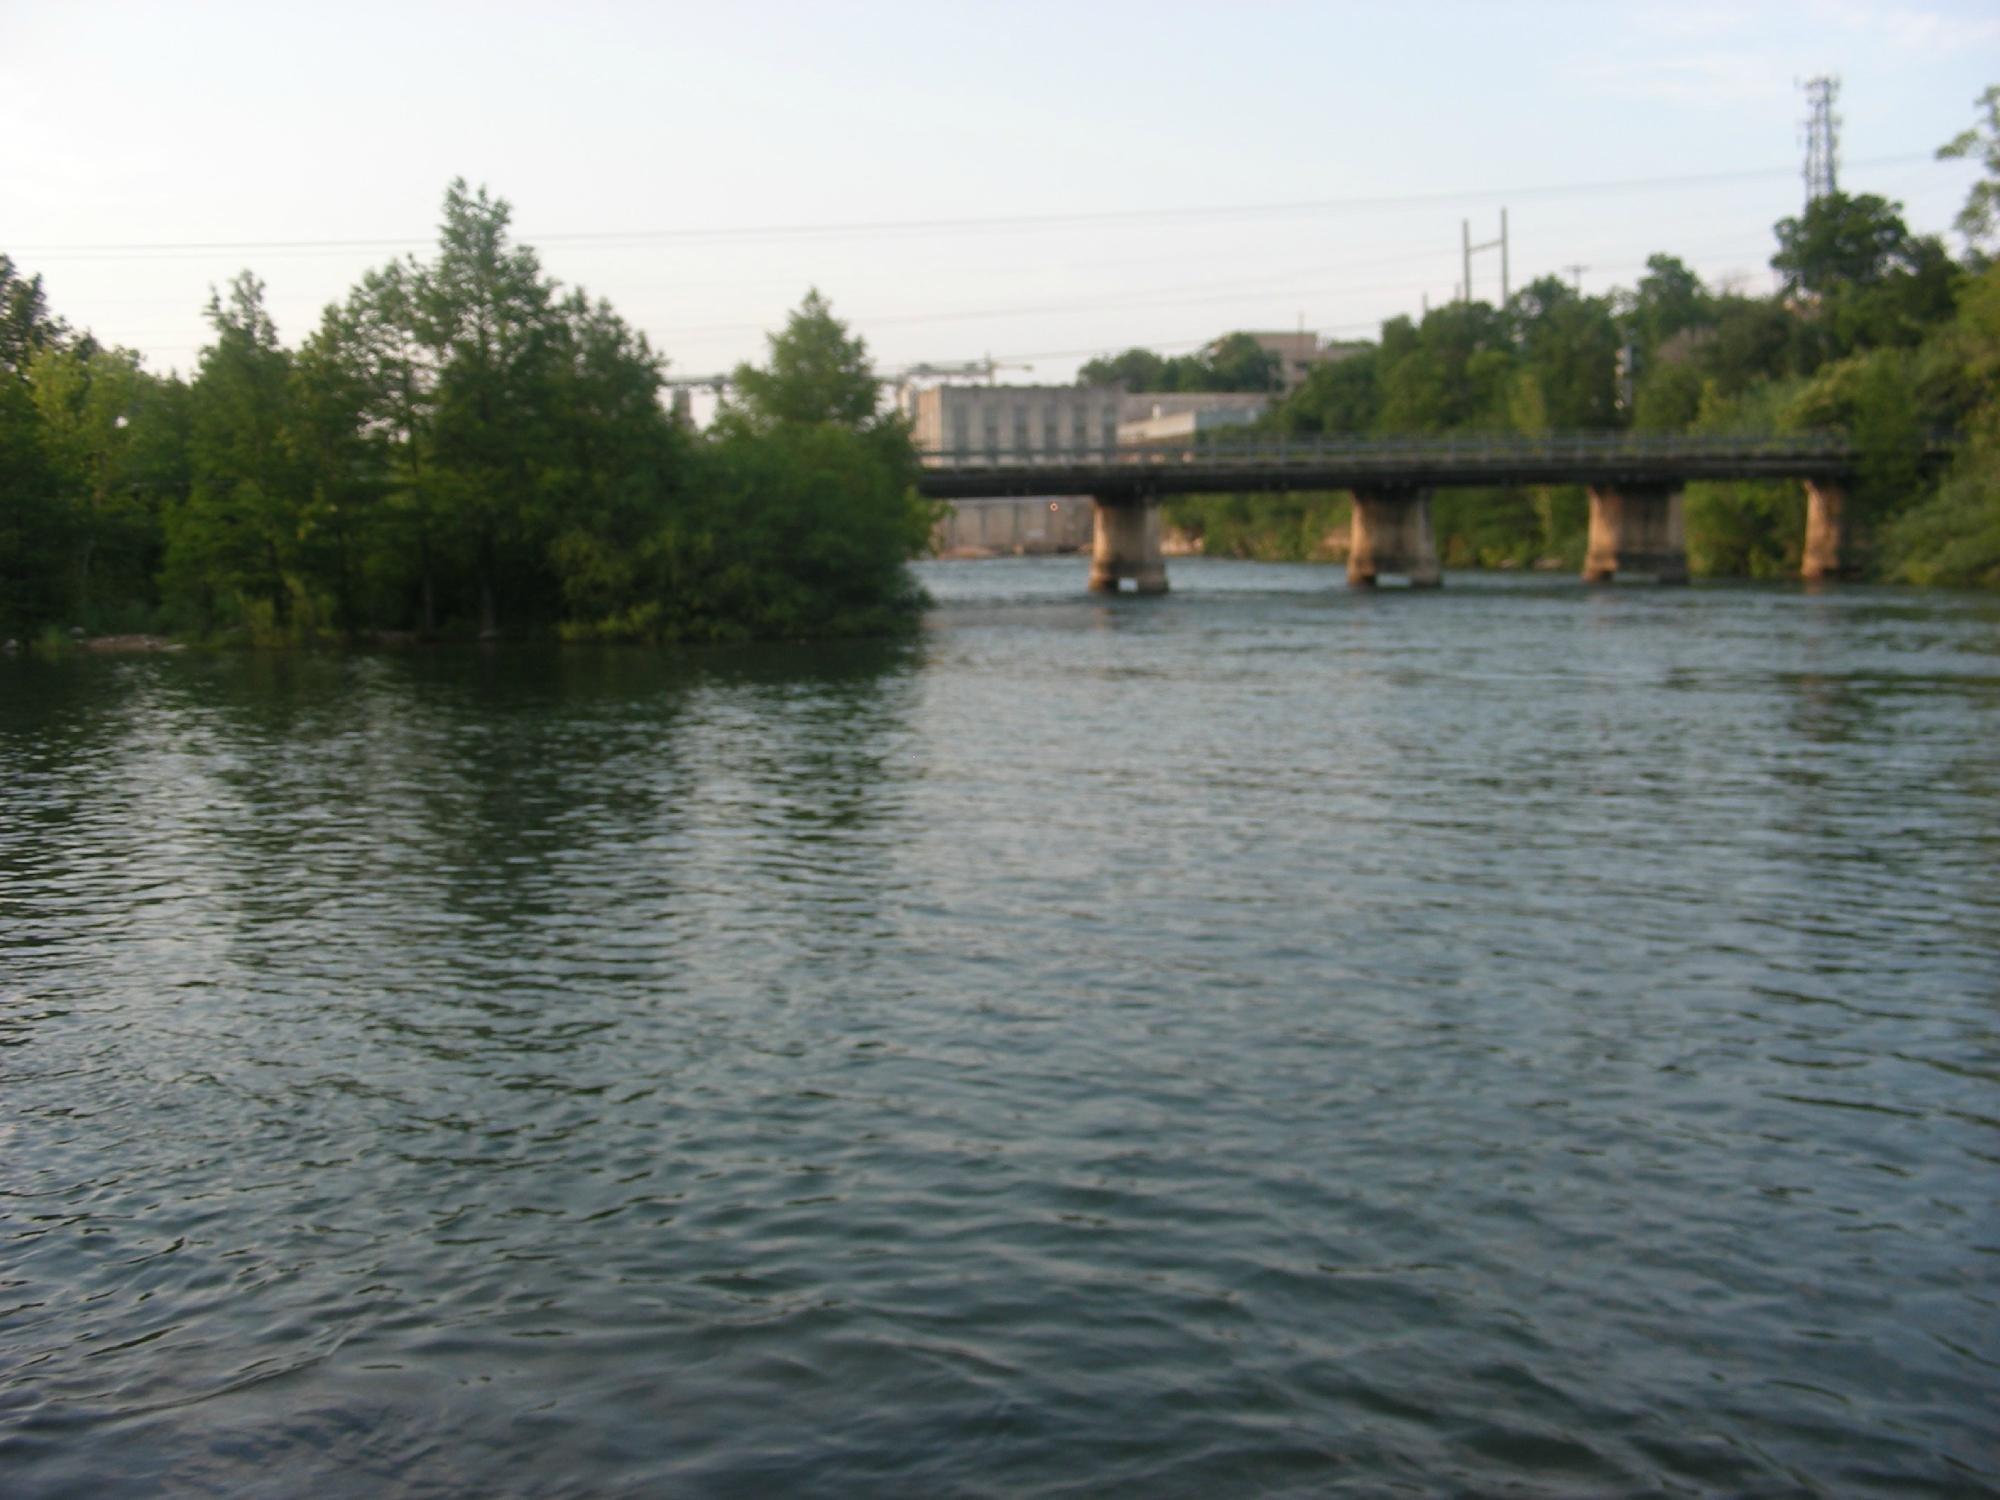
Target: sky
(1035,182)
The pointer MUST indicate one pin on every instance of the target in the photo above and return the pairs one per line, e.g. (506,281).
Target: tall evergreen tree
(819,372)
(232,546)
(486,316)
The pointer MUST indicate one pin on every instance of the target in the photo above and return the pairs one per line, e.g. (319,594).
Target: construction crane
(986,367)
(683,387)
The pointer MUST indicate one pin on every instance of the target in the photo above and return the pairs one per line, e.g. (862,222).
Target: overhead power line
(1318,282)
(984,225)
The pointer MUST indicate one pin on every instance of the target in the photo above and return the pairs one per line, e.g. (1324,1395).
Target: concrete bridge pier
(1391,533)
(1826,529)
(1127,545)
(1636,528)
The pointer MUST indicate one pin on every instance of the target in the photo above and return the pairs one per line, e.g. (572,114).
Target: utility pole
(1822,138)
(1576,277)
(1468,249)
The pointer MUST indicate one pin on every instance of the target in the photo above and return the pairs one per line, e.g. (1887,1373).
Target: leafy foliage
(462,445)
(1953,537)
(807,510)
(818,373)
(1979,220)
(1234,362)
(1840,240)
(1878,333)
(1295,527)
(465,445)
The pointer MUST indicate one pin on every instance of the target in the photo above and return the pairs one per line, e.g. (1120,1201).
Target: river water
(1265,1040)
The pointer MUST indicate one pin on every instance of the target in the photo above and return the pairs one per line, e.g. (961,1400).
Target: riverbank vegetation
(1873,331)
(462,447)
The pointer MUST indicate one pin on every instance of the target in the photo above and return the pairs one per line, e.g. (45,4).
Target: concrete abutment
(1391,533)
(1636,528)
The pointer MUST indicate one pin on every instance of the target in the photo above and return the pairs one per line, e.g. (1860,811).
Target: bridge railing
(1453,449)
(1320,451)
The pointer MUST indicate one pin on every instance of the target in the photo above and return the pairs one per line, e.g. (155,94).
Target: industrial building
(1017,527)
(976,420)
(1299,353)
(1182,416)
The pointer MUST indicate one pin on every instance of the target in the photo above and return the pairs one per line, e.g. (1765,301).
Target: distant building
(1013,420)
(1017,527)
(1299,353)
(1005,423)
(1176,416)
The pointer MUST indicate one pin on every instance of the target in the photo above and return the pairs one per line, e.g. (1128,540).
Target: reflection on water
(1262,1039)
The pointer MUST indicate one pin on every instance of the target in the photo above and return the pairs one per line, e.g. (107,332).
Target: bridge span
(1634,485)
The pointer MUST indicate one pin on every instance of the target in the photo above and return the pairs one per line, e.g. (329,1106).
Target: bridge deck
(1134,473)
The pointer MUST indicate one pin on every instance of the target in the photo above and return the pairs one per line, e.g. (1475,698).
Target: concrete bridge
(1634,484)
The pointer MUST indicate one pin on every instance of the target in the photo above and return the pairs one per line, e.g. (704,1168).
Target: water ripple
(1264,1040)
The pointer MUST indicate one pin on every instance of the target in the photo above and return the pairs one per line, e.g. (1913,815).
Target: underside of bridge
(1636,528)
(1634,480)
(1391,533)
(1126,544)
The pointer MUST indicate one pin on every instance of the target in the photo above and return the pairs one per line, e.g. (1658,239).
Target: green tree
(102,420)
(1979,220)
(232,545)
(345,466)
(619,466)
(1840,239)
(1135,369)
(1571,343)
(1897,309)
(1668,396)
(1754,339)
(807,506)
(1744,528)
(1236,362)
(26,327)
(474,444)
(818,373)
(36,527)
(1953,536)
(1451,372)
(392,376)
(1301,526)
(1669,300)
(485,315)
(1339,397)
(1873,398)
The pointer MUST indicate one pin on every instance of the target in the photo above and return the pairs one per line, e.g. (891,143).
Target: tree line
(1873,331)
(462,446)
(1234,362)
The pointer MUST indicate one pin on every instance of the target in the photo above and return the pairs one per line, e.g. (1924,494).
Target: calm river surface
(1267,1040)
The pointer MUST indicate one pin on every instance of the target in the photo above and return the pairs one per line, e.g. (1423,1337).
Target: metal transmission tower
(1822,138)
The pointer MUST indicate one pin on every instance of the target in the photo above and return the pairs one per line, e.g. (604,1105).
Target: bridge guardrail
(1562,448)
